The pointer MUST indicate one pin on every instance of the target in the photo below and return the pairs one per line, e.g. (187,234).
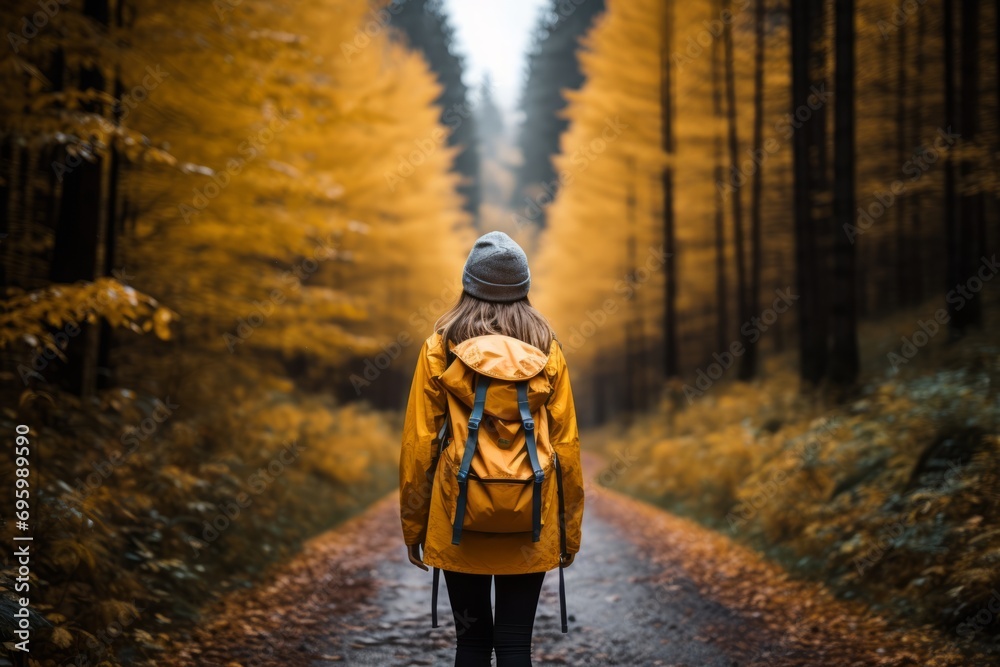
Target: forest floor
(648,588)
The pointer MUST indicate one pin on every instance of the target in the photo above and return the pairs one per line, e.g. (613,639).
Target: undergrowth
(890,493)
(146,505)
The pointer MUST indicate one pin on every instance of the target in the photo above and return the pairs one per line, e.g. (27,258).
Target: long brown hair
(474,317)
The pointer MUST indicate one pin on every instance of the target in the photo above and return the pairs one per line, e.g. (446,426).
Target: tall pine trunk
(670,359)
(734,158)
(633,363)
(721,291)
(843,367)
(963,229)
(917,241)
(970,201)
(807,60)
(951,224)
(80,251)
(5,147)
(115,229)
(748,364)
(904,278)
(14,180)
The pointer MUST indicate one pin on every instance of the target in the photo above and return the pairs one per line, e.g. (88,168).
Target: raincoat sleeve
(565,439)
(425,410)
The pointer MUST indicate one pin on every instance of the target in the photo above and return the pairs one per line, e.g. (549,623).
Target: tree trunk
(669,236)
(963,228)
(952,227)
(12,189)
(748,363)
(736,205)
(917,241)
(991,243)
(721,291)
(80,251)
(806,18)
(112,225)
(74,257)
(633,365)
(5,147)
(843,368)
(969,207)
(904,279)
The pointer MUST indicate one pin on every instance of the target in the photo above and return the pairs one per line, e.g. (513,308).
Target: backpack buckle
(529,425)
(463,475)
(473,424)
(539,476)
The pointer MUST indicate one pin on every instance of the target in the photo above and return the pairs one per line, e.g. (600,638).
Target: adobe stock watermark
(257,483)
(747,510)
(101,642)
(464,619)
(565,8)
(976,623)
(249,149)
(131,439)
(752,330)
(770,652)
(273,652)
(625,288)
(125,105)
(593,490)
(40,360)
(419,320)
(225,7)
(891,536)
(262,310)
(901,13)
(926,330)
(914,169)
(71,329)
(370,27)
(740,175)
(696,44)
(31,25)
(425,147)
(139,93)
(581,159)
(653,601)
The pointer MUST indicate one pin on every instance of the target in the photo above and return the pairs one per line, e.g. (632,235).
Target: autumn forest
(765,233)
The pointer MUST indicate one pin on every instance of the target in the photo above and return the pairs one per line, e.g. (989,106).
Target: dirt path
(647,588)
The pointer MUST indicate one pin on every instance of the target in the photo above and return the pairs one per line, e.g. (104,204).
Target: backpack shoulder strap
(529,441)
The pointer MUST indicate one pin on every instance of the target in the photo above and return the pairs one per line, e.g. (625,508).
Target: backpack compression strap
(529,441)
(482,384)
(434,598)
(562,547)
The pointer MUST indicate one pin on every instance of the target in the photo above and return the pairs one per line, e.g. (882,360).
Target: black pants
(478,632)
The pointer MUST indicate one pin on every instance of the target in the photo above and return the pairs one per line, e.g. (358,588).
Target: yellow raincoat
(424,509)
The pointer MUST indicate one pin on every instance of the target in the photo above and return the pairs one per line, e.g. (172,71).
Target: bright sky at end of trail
(494,37)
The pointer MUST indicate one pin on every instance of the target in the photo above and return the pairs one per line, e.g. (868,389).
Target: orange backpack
(504,461)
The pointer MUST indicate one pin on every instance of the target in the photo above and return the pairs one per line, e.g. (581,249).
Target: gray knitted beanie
(497,269)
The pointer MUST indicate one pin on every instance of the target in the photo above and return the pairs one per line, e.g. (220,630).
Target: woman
(494,306)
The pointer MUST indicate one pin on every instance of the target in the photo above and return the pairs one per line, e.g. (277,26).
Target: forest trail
(648,588)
